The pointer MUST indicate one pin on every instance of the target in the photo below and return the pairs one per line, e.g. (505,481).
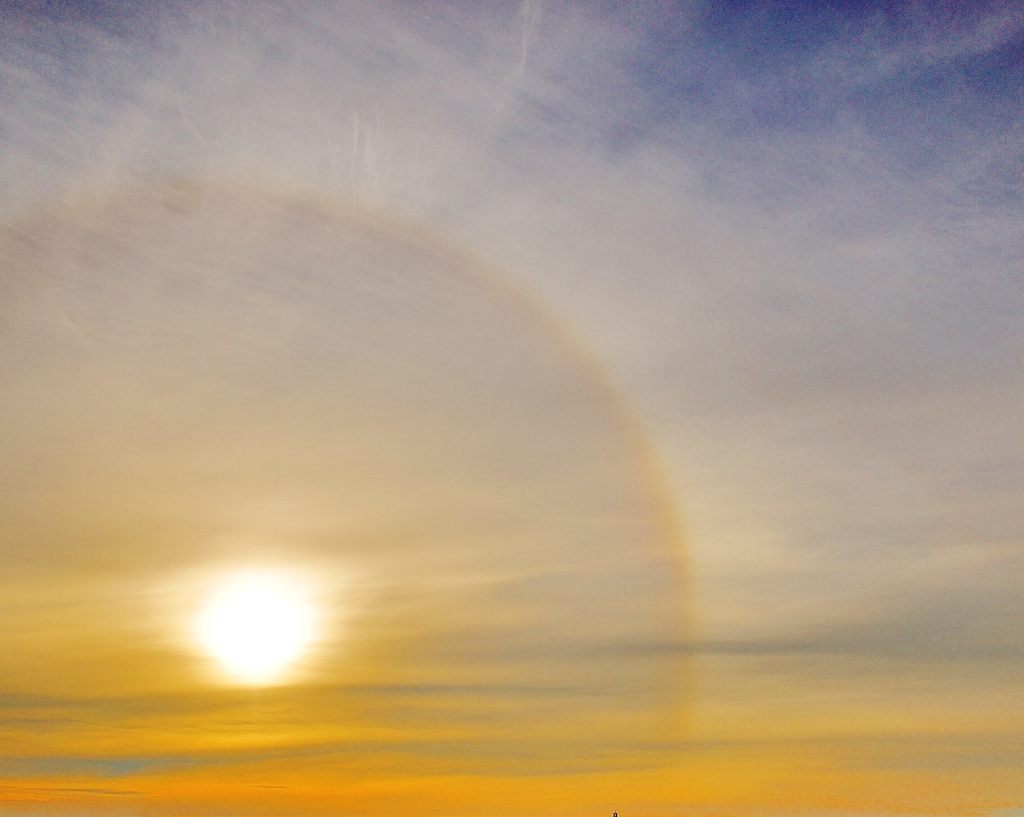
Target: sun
(256,625)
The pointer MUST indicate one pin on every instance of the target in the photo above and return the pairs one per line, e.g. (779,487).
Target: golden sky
(629,397)
(209,380)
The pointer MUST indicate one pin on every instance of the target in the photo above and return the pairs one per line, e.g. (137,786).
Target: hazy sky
(636,390)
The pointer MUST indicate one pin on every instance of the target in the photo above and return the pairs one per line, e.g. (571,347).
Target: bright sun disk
(256,625)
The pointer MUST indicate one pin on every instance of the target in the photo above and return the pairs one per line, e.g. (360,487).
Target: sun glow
(256,625)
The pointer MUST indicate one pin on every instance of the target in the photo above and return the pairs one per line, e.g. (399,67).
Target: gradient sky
(637,389)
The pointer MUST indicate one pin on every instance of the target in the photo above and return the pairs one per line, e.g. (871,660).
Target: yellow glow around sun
(256,625)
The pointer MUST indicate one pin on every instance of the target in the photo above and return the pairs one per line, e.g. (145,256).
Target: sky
(631,391)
